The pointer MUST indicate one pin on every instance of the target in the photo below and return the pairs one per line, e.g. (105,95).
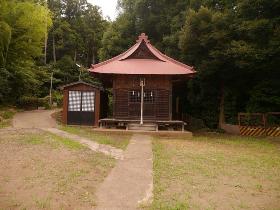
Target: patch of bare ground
(39,170)
(220,172)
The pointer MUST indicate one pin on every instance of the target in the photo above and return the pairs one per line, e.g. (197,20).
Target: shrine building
(143,81)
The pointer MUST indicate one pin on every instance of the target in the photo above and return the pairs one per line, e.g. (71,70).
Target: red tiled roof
(158,63)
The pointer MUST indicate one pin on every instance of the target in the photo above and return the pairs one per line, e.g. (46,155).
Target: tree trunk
(75,56)
(5,54)
(93,56)
(46,44)
(222,108)
(46,36)
(54,51)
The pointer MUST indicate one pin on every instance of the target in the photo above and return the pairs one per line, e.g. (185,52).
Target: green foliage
(5,35)
(233,44)
(265,97)
(236,51)
(113,42)
(31,102)
(58,98)
(160,19)
(24,25)
(75,38)
(6,115)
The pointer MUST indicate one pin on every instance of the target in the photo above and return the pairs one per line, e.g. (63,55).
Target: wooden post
(239,119)
(170,100)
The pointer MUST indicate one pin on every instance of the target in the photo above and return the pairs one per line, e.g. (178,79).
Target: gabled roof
(142,58)
(78,83)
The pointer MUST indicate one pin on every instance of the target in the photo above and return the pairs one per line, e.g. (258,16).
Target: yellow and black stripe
(252,131)
(273,131)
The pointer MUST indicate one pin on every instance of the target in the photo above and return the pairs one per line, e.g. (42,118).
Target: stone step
(144,127)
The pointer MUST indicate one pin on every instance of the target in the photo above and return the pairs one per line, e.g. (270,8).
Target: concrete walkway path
(130,183)
(106,149)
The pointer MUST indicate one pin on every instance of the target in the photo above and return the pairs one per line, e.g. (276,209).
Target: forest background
(233,44)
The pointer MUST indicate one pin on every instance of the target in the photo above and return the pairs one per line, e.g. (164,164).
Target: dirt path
(34,119)
(42,119)
(130,183)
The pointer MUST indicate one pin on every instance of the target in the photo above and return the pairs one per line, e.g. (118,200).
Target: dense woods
(233,44)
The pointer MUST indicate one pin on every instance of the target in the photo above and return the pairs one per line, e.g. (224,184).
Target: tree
(204,42)
(235,48)
(21,42)
(75,38)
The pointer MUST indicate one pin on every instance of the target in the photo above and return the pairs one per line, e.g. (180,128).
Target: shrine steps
(144,127)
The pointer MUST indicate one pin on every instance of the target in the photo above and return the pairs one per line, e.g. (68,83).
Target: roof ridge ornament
(143,37)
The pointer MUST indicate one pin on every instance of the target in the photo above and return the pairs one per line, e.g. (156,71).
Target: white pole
(80,70)
(142,99)
(80,74)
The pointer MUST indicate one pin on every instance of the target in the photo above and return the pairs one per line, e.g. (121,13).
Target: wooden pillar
(170,100)
(65,106)
(97,107)
(114,97)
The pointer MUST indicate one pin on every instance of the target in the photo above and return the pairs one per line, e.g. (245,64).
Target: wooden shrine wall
(159,109)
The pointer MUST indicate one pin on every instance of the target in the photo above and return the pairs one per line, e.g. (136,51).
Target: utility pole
(142,84)
(80,70)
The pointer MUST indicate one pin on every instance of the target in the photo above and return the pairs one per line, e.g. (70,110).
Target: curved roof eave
(99,68)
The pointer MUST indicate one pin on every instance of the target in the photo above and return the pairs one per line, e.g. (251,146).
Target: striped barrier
(259,131)
(252,131)
(262,124)
(273,131)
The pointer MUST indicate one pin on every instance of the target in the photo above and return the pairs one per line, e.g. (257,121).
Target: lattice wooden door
(81,107)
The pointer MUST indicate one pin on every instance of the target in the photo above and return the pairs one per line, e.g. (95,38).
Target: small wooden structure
(142,80)
(81,104)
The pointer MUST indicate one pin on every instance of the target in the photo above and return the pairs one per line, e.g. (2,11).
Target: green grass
(34,139)
(210,171)
(52,140)
(43,203)
(118,140)
(66,170)
(6,115)
(67,142)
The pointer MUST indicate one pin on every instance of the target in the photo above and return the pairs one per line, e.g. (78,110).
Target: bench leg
(183,127)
